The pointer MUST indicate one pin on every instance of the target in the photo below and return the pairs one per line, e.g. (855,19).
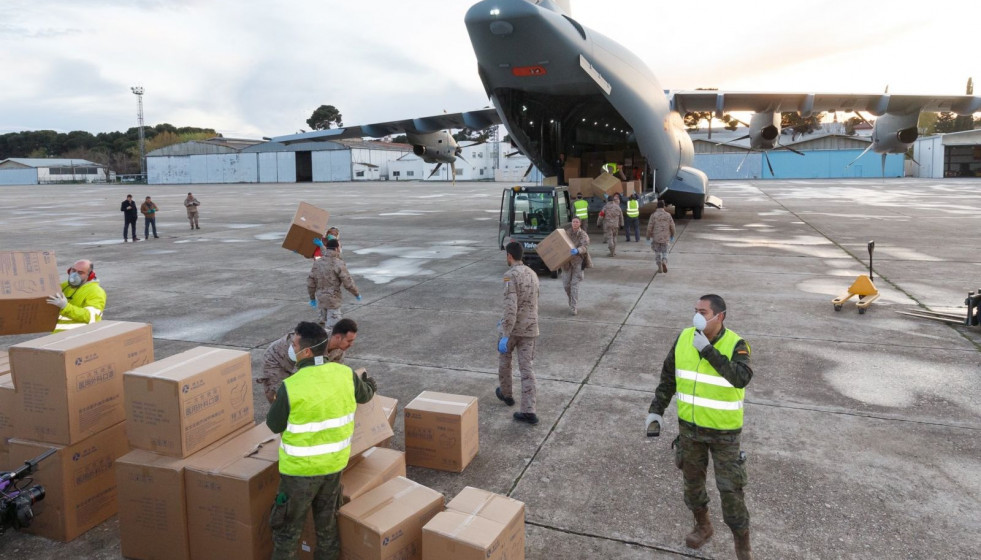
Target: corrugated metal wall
(830,164)
(929,152)
(331,165)
(18,176)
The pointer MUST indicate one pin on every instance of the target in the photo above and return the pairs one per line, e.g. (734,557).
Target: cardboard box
(309,223)
(552,181)
(452,535)
(188,401)
(79,482)
(554,249)
(229,492)
(70,384)
(27,278)
(606,184)
(441,431)
(390,407)
(386,523)
(372,469)
(629,187)
(152,506)
(8,399)
(580,185)
(371,425)
(507,512)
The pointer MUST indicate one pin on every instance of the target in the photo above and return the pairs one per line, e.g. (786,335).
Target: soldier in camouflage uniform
(611,218)
(519,332)
(572,271)
(324,284)
(278,362)
(708,367)
(309,465)
(660,228)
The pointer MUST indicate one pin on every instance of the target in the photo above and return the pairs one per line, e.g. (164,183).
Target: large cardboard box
(188,401)
(7,416)
(371,425)
(390,407)
(27,278)
(309,223)
(580,185)
(441,431)
(372,469)
(629,188)
(229,491)
(70,384)
(552,181)
(452,535)
(607,184)
(554,249)
(152,505)
(79,482)
(386,523)
(508,512)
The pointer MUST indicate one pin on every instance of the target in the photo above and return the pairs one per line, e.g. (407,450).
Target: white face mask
(699,322)
(74,279)
(291,353)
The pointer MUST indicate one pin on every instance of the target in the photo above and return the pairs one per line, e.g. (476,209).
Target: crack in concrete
(659,548)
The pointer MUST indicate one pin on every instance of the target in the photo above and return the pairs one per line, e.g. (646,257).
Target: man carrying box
(314,412)
(572,271)
(81,299)
(324,284)
(611,218)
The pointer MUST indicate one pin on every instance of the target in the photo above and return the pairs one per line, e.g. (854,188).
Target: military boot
(702,531)
(741,538)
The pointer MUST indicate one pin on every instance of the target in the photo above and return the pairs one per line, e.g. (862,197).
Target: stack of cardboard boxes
(68,396)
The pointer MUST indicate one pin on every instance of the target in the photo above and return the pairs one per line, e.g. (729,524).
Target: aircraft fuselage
(560,88)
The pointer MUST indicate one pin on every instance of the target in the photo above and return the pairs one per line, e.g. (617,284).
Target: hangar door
(962,161)
(304,167)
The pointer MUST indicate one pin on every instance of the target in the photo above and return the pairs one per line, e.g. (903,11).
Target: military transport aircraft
(561,88)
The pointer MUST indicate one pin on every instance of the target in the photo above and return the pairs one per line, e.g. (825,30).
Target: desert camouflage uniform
(192,204)
(277,365)
(572,271)
(612,221)
(695,443)
(660,230)
(324,283)
(520,325)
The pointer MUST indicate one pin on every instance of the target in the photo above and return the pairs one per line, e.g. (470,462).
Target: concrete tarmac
(862,431)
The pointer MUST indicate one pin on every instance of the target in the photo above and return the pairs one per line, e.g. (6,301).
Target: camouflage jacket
(520,302)
(326,278)
(660,228)
(581,240)
(612,215)
(191,204)
(277,365)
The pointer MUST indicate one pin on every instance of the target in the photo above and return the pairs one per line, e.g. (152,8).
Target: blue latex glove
(318,242)
(573,251)
(313,303)
(671,240)
(358,297)
(502,345)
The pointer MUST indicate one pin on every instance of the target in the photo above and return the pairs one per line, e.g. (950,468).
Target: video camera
(18,494)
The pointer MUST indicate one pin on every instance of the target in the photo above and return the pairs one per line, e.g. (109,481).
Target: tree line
(120,151)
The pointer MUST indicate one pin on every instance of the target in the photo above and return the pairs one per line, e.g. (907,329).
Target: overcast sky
(250,68)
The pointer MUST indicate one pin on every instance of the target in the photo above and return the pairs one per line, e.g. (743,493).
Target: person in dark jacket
(128,208)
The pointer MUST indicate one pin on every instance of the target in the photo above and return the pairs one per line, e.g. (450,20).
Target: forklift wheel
(837,308)
(861,311)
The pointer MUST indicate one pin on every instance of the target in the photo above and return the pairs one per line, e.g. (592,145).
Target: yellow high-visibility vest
(705,398)
(317,439)
(582,209)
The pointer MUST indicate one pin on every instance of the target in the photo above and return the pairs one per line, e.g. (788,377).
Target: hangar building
(39,171)
(957,154)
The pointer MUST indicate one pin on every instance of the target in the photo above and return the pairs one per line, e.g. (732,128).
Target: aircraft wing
(807,103)
(474,120)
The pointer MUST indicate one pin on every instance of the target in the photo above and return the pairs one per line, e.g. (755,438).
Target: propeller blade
(743,161)
(884,165)
(766,156)
(453,171)
(860,156)
(734,140)
(514,153)
(527,171)
(435,169)
(863,119)
(798,152)
(458,156)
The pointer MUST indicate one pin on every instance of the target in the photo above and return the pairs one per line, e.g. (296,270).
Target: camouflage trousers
(525,348)
(571,277)
(323,493)
(329,317)
(695,445)
(193,218)
(610,232)
(660,253)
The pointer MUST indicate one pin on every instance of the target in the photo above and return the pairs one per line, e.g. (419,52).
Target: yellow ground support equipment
(862,287)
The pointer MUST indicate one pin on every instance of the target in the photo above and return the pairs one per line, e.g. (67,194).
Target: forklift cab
(529,214)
